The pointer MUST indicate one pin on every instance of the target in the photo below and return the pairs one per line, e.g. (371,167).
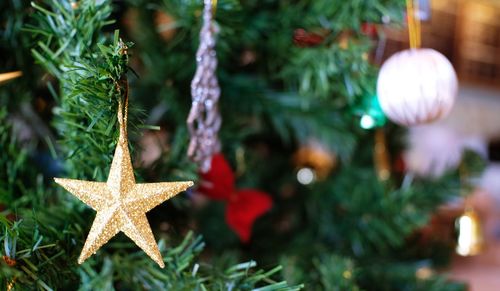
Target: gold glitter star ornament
(121,204)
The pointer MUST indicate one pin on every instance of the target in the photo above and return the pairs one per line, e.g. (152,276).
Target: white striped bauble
(417,86)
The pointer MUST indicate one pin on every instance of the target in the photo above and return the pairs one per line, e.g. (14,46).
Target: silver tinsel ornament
(204,120)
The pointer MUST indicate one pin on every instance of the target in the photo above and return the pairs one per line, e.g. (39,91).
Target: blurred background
(468,33)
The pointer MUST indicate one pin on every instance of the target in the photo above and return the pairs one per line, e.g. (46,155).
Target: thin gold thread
(414,25)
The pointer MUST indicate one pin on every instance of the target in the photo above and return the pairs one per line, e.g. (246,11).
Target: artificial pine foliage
(349,231)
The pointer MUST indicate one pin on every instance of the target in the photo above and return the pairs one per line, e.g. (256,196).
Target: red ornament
(243,207)
(369,29)
(302,38)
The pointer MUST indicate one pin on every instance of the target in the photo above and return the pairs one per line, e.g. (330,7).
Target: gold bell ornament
(470,240)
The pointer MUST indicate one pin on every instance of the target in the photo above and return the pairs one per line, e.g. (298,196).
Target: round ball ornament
(417,86)
(313,162)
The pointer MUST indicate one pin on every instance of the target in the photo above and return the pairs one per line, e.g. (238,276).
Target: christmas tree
(297,86)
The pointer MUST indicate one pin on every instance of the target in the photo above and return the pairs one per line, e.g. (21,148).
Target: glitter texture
(204,119)
(121,204)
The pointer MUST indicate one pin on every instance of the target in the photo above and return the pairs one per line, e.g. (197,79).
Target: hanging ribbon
(414,26)
(123,111)
(381,156)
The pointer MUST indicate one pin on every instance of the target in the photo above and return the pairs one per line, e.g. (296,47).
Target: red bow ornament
(243,207)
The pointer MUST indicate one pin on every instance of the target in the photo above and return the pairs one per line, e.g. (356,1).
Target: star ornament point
(121,205)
